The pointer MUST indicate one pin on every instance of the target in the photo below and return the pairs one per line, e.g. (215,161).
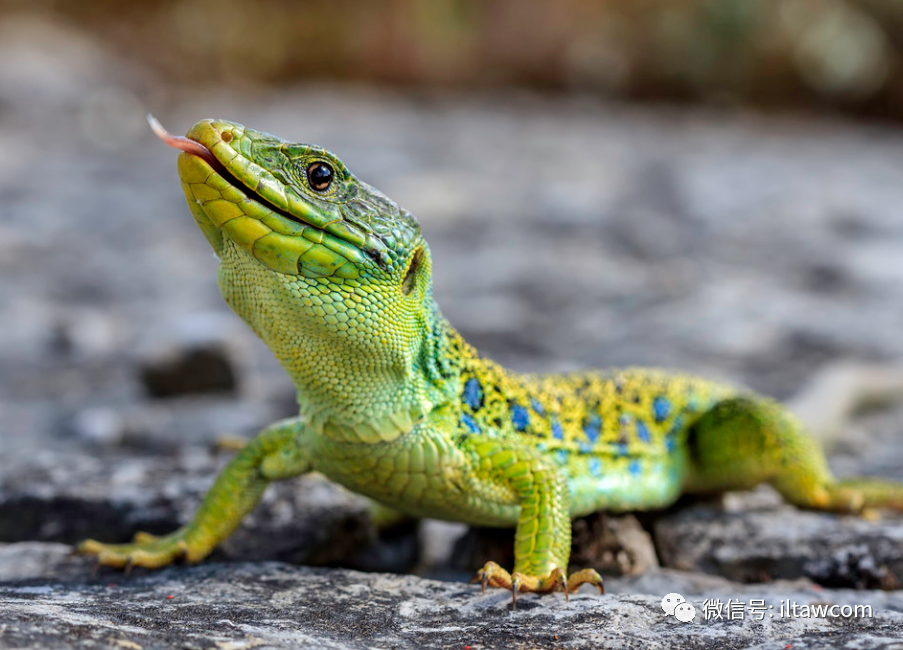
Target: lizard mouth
(292,238)
(185,144)
(195,148)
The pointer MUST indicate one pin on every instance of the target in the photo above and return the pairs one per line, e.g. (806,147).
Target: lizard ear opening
(407,285)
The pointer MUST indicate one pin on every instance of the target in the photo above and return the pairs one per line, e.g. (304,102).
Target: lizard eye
(320,176)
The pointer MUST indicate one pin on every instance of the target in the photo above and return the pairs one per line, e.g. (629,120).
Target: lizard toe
(148,551)
(493,575)
(142,537)
(585,576)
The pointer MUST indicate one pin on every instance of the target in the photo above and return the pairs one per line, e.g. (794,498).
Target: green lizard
(395,405)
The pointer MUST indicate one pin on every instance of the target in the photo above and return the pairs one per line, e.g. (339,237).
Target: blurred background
(714,185)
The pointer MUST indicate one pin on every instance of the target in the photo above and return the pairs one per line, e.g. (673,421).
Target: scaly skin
(396,406)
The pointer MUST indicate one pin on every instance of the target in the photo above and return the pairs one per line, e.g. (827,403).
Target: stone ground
(567,233)
(269,604)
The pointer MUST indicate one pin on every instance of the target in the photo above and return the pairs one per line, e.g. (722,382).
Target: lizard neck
(372,403)
(363,372)
(390,404)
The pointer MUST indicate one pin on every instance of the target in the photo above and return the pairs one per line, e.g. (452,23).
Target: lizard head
(294,207)
(320,264)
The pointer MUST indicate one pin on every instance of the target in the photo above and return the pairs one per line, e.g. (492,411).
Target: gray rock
(31,560)
(192,369)
(612,544)
(776,541)
(646,252)
(277,605)
(98,425)
(111,496)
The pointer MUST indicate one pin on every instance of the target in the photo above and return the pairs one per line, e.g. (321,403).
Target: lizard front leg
(276,453)
(542,542)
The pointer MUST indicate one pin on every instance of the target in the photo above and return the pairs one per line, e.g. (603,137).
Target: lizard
(394,404)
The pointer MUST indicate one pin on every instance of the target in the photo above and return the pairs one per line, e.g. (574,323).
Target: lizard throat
(380,430)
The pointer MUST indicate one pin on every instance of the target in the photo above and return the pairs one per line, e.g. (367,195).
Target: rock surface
(111,496)
(781,542)
(755,248)
(194,369)
(246,605)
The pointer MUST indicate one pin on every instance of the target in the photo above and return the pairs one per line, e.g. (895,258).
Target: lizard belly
(419,475)
(643,482)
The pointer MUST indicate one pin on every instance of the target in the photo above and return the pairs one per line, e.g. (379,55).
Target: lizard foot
(495,576)
(149,551)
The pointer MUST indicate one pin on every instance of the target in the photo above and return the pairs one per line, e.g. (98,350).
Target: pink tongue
(183,143)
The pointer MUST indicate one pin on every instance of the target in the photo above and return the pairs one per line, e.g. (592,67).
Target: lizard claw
(516,580)
(495,576)
(480,577)
(562,581)
(182,553)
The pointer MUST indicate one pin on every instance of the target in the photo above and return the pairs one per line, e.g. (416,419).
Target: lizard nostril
(407,285)
(227,136)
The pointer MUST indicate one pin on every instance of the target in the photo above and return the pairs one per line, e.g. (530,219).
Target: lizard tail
(861,493)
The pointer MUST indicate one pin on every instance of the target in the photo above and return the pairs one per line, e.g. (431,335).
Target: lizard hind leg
(744,441)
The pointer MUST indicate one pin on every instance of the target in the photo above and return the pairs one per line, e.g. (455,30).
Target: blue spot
(520,417)
(670,444)
(634,467)
(677,427)
(641,431)
(542,446)
(562,456)
(468,421)
(557,431)
(585,447)
(595,467)
(622,449)
(537,406)
(592,427)
(661,408)
(624,419)
(473,394)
